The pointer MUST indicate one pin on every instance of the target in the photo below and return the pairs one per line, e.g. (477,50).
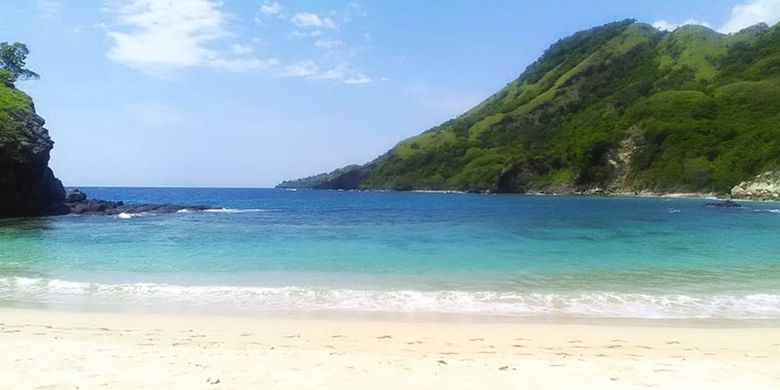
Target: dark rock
(107,207)
(725,204)
(27,186)
(75,196)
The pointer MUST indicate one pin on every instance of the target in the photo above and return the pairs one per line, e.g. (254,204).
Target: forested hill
(619,108)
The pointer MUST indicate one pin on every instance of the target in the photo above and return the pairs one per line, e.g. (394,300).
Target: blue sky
(252,92)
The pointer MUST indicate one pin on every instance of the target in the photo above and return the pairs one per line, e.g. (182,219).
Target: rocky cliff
(765,186)
(28,186)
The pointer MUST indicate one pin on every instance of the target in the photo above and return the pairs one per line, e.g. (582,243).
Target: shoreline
(129,350)
(401,317)
(641,195)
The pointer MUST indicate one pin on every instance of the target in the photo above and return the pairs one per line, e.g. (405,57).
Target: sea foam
(130,215)
(255,299)
(229,210)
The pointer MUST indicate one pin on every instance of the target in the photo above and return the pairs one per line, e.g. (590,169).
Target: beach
(49,349)
(352,290)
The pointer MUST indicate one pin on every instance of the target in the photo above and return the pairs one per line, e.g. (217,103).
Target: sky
(247,93)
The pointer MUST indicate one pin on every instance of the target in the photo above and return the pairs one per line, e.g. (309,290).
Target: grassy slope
(701,108)
(12,102)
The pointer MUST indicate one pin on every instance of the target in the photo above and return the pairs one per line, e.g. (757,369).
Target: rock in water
(76,202)
(75,196)
(727,204)
(765,186)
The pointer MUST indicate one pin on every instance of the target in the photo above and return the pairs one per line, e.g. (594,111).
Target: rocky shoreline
(77,203)
(765,186)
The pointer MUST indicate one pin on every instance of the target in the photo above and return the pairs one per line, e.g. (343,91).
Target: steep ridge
(620,108)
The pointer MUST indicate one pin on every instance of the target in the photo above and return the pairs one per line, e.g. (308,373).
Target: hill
(620,108)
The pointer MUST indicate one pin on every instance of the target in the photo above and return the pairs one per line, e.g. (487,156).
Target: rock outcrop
(727,204)
(76,202)
(765,186)
(28,186)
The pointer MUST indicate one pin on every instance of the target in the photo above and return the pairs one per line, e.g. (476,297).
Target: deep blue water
(259,249)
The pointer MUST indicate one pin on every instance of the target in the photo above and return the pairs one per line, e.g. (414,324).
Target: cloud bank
(162,36)
(742,16)
(747,14)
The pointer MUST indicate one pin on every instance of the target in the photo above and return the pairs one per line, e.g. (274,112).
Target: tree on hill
(12,63)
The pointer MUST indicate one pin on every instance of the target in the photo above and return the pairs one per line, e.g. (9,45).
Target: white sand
(67,350)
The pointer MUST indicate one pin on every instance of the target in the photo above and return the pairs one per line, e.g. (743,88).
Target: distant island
(622,108)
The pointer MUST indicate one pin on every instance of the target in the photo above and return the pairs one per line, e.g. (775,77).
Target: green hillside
(619,108)
(13,104)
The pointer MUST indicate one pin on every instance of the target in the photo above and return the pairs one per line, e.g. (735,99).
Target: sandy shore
(42,349)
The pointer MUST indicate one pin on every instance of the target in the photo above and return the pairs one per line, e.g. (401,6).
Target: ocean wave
(130,215)
(762,210)
(229,210)
(245,298)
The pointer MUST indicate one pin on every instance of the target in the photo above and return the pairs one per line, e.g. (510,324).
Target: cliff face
(346,178)
(765,186)
(28,186)
(619,108)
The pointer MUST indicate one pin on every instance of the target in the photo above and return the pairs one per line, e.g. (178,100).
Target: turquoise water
(260,250)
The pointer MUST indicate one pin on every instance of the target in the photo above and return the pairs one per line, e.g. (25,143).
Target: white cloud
(240,49)
(342,73)
(299,33)
(243,65)
(307,19)
(752,12)
(668,26)
(353,10)
(665,26)
(158,36)
(270,8)
(328,43)
(49,8)
(305,68)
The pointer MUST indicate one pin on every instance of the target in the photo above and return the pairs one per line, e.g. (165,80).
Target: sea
(261,251)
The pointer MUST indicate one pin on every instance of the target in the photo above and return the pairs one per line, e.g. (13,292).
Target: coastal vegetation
(623,107)
(13,103)
(13,58)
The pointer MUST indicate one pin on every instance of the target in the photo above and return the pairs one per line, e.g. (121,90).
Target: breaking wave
(229,210)
(130,215)
(253,299)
